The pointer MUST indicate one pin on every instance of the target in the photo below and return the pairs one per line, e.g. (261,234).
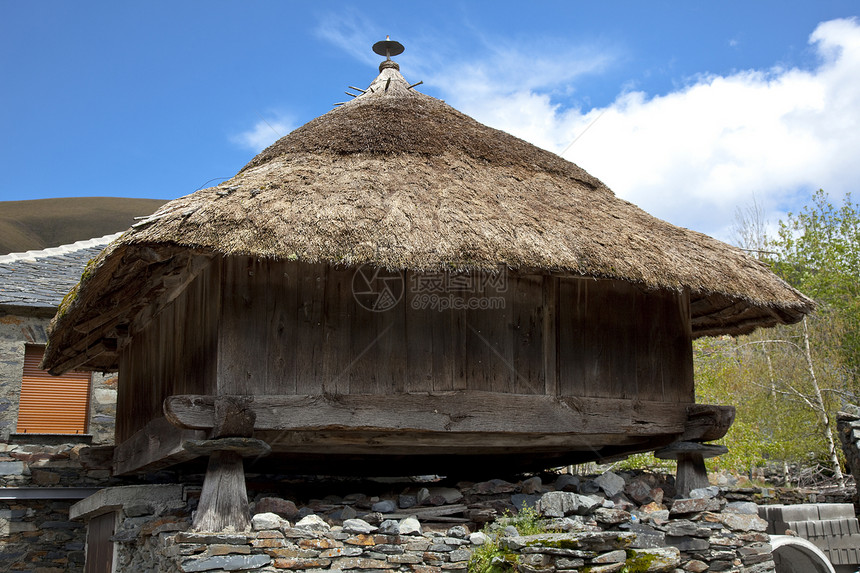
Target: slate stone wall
(17,330)
(603,531)
(36,533)
(848,426)
(38,536)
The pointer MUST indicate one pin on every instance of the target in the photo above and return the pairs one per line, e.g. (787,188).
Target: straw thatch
(399,179)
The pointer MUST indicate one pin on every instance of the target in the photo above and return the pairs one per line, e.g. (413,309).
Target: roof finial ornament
(388,48)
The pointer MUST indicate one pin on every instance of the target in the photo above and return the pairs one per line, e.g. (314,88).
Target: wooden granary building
(396,281)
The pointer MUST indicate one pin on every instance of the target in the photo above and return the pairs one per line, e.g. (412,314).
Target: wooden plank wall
(617,341)
(174,354)
(297,328)
(247,326)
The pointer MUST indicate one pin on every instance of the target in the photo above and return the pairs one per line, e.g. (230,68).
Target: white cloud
(694,155)
(264,133)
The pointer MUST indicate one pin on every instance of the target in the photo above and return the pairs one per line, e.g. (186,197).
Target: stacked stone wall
(848,426)
(602,525)
(15,332)
(36,533)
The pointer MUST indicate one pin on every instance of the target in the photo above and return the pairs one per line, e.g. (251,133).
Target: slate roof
(40,279)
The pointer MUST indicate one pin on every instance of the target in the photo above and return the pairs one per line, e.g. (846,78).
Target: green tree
(818,252)
(788,380)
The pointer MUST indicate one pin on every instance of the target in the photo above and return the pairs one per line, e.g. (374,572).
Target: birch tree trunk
(821,410)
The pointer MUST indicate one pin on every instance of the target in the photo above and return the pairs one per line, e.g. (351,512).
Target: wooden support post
(224,499)
(691,473)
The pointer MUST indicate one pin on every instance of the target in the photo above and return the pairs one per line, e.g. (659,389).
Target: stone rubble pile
(848,426)
(614,522)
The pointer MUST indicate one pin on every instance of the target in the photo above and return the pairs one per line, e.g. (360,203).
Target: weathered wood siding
(294,328)
(174,353)
(247,326)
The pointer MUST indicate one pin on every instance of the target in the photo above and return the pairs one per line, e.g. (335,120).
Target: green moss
(557,543)
(491,557)
(88,270)
(637,562)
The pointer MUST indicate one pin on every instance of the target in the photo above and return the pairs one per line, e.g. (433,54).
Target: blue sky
(688,109)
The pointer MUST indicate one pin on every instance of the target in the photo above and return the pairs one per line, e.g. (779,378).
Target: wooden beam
(411,443)
(461,412)
(706,423)
(155,446)
(100,347)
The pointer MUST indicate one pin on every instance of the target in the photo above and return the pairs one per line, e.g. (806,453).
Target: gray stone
(611,483)
(646,536)
(687,543)
(747,507)
(344,513)
(681,527)
(681,506)
(567,482)
(12,468)
(227,563)
(659,516)
(709,492)
(450,494)
(460,555)
(263,521)
(639,489)
(358,526)
(695,566)
(616,556)
(409,526)
(588,486)
(406,501)
(743,522)
(562,503)
(521,500)
(389,527)
(423,496)
(478,538)
(657,559)
(531,486)
(510,531)
(611,516)
(283,507)
(458,532)
(583,540)
(569,563)
(384,506)
(312,522)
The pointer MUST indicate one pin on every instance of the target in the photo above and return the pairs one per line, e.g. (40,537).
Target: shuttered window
(52,404)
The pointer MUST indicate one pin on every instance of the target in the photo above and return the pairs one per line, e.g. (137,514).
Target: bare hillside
(42,223)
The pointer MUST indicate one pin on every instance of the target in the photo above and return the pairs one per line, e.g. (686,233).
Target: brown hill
(42,223)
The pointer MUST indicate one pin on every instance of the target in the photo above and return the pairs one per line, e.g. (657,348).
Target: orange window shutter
(52,404)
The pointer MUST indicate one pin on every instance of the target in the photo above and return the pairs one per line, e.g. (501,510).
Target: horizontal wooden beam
(157,445)
(450,412)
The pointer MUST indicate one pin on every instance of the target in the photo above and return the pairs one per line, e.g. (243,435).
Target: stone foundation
(599,525)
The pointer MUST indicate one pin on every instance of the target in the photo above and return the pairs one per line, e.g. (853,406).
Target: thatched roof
(399,179)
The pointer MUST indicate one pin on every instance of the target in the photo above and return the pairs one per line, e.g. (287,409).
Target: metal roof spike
(388,48)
